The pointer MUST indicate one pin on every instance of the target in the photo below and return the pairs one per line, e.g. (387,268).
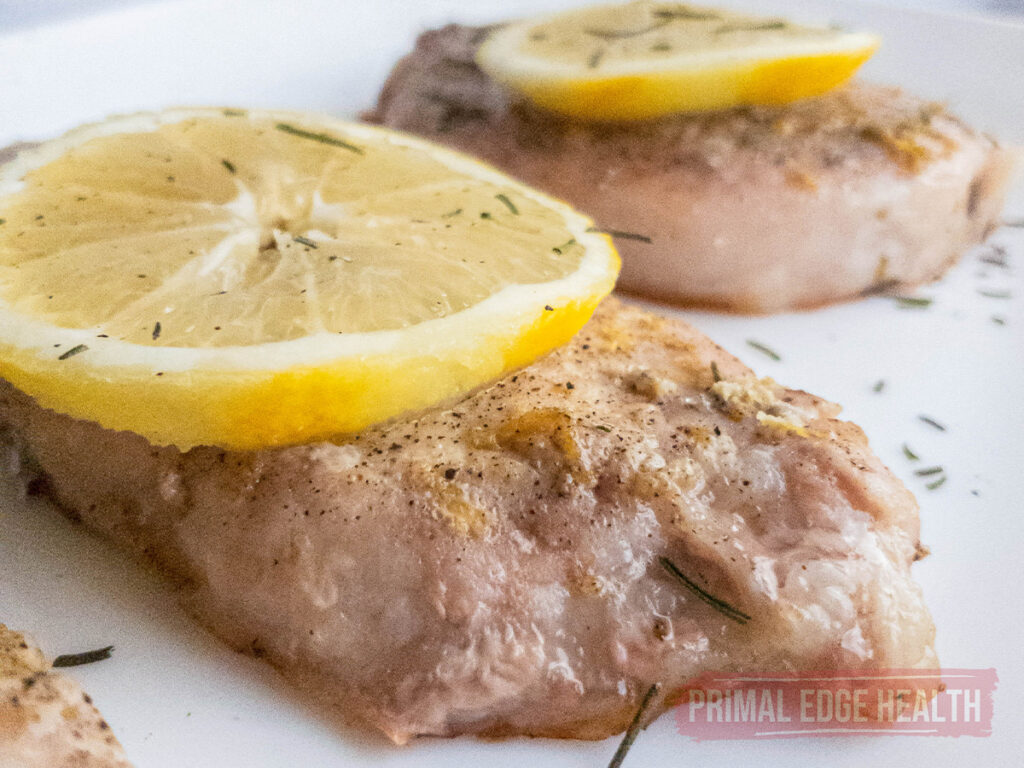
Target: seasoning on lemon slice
(252,279)
(646,59)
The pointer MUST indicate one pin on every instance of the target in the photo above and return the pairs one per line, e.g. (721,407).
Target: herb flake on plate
(764,350)
(86,657)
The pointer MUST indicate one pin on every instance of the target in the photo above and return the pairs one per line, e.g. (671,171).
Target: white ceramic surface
(177,698)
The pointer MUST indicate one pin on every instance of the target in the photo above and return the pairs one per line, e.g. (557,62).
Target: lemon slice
(647,59)
(253,279)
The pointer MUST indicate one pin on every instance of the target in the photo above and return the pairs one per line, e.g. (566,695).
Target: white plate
(178,698)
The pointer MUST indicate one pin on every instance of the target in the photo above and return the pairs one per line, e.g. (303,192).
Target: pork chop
(46,720)
(757,209)
(494,567)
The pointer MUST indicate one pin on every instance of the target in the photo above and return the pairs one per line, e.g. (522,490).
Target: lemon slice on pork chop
(647,59)
(252,279)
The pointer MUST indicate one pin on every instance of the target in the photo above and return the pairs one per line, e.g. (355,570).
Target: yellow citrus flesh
(647,59)
(254,279)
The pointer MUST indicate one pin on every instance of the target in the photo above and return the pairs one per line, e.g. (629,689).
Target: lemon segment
(646,59)
(255,279)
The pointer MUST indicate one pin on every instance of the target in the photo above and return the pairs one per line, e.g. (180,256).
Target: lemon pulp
(646,59)
(252,279)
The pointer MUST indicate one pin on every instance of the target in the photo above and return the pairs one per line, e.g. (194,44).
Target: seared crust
(755,209)
(493,567)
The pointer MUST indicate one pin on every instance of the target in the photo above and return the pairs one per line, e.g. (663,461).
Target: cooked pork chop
(755,209)
(46,720)
(494,567)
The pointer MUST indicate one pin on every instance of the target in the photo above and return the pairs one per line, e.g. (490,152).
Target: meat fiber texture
(493,567)
(756,209)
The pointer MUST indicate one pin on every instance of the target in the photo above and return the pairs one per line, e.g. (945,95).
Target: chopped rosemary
(634,727)
(602,427)
(909,453)
(764,350)
(156,331)
(448,215)
(760,27)
(3,221)
(682,12)
(595,59)
(995,294)
(305,241)
(560,249)
(622,235)
(73,351)
(932,423)
(879,386)
(719,605)
(1015,223)
(996,256)
(323,138)
(928,471)
(229,165)
(998,320)
(507,203)
(913,302)
(625,34)
(234,113)
(88,657)
(716,375)
(935,483)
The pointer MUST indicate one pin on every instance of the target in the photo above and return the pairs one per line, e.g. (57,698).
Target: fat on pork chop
(494,567)
(756,209)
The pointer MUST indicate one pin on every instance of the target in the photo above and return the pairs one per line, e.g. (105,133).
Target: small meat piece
(493,567)
(757,209)
(46,720)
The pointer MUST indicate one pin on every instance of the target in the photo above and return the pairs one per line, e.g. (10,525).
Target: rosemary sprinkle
(634,727)
(932,423)
(625,34)
(560,249)
(768,25)
(87,657)
(323,138)
(507,203)
(622,235)
(764,350)
(73,351)
(936,483)
(927,471)
(719,605)
(909,453)
(684,13)
(913,302)
(305,241)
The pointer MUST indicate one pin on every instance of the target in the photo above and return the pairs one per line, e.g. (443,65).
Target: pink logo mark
(922,702)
